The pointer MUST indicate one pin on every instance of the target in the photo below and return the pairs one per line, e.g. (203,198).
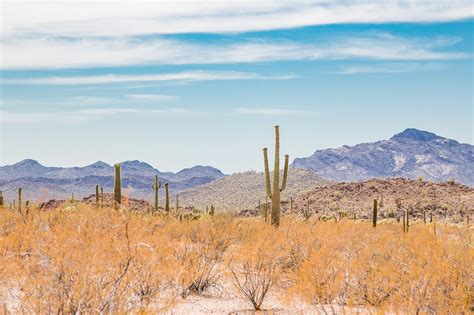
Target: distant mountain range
(411,153)
(40,181)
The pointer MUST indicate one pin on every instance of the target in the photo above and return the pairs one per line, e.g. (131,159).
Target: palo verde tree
(275,193)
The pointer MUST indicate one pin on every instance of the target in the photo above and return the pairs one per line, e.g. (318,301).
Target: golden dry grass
(100,260)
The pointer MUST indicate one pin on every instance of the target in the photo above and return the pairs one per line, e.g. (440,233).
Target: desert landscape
(236,157)
(383,245)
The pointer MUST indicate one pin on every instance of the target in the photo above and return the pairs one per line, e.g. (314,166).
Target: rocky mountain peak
(415,135)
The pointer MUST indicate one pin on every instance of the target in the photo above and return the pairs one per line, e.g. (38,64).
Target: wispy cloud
(153,97)
(85,53)
(189,76)
(274,111)
(389,68)
(78,116)
(106,18)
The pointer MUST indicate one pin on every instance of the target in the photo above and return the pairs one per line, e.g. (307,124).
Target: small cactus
(19,199)
(408,219)
(156,187)
(264,210)
(117,186)
(167,200)
(404,223)
(306,211)
(374,214)
(97,196)
(275,193)
(177,205)
(212,210)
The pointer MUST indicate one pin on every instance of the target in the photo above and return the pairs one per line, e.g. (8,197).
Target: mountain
(412,153)
(243,190)
(43,182)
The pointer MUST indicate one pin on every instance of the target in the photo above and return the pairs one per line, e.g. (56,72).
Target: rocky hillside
(243,190)
(412,153)
(393,194)
(43,182)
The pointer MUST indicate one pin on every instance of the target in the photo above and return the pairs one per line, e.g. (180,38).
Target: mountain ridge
(411,153)
(61,182)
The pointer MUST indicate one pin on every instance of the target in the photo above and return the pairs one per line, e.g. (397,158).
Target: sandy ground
(200,305)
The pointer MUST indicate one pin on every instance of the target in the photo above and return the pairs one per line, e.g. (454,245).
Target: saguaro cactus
(275,193)
(1,200)
(404,223)
(167,202)
(177,204)
(19,199)
(101,197)
(97,196)
(408,219)
(213,210)
(374,214)
(117,186)
(156,187)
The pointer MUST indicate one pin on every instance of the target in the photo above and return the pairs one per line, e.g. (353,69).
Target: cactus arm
(285,173)
(276,166)
(267,173)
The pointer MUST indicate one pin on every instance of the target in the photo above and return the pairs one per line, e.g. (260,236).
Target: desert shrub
(105,261)
(384,270)
(256,264)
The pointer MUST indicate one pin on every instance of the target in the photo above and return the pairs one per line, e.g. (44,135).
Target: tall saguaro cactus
(167,202)
(117,186)
(1,200)
(156,187)
(374,214)
(275,193)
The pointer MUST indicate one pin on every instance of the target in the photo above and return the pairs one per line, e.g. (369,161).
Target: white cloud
(86,53)
(153,97)
(110,18)
(189,76)
(78,116)
(274,111)
(389,68)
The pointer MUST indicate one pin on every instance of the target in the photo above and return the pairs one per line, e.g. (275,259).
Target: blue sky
(184,83)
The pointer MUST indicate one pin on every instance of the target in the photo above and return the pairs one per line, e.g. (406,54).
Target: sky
(182,83)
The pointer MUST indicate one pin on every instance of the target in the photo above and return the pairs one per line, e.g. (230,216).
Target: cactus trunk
(404,223)
(101,197)
(177,204)
(167,201)
(19,199)
(374,214)
(97,195)
(117,186)
(408,219)
(156,187)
